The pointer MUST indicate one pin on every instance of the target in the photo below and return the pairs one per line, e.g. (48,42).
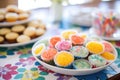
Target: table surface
(17,63)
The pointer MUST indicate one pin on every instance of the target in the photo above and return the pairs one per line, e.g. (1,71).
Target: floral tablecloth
(17,63)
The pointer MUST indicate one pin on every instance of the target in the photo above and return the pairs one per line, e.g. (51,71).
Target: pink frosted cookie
(108,46)
(63,45)
(75,39)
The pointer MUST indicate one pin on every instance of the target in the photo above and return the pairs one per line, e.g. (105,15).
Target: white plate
(7,24)
(116,36)
(71,71)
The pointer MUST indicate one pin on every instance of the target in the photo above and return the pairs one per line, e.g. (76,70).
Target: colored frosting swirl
(63,45)
(81,64)
(67,34)
(108,46)
(54,40)
(108,55)
(63,59)
(79,51)
(75,39)
(95,47)
(97,60)
(48,54)
(39,49)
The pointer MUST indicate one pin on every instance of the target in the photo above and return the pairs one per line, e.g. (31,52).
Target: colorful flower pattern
(7,71)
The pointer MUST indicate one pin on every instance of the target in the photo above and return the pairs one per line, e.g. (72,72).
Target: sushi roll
(97,60)
(63,59)
(48,55)
(63,45)
(81,64)
(79,51)
(95,47)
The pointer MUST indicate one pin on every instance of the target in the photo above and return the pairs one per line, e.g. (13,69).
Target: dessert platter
(17,28)
(72,53)
(11,15)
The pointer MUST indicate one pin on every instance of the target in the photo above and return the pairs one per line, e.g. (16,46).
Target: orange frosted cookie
(95,47)
(75,39)
(48,55)
(53,40)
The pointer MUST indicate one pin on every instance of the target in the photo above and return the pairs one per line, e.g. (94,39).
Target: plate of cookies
(12,15)
(22,34)
(72,53)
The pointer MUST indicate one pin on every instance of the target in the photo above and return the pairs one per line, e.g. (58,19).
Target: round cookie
(4,31)
(18,28)
(11,37)
(23,38)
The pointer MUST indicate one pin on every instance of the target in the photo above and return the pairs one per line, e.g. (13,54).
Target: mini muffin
(63,45)
(11,17)
(23,16)
(30,31)
(108,46)
(2,11)
(81,64)
(34,23)
(1,39)
(64,59)
(11,8)
(19,11)
(108,55)
(79,51)
(38,50)
(40,32)
(42,26)
(4,31)
(48,55)
(97,60)
(77,40)
(54,39)
(95,47)
(18,28)
(68,33)
(11,37)
(2,17)
(23,38)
